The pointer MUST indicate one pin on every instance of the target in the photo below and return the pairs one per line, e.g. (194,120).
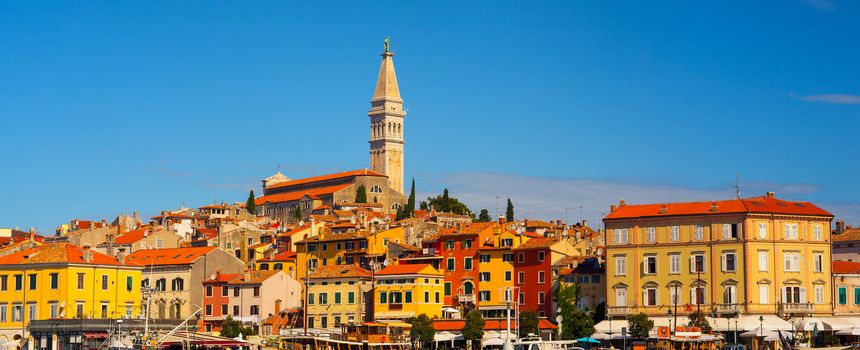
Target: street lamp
(761,329)
(669,316)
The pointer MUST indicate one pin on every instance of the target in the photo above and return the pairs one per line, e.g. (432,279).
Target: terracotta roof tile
(285,256)
(56,253)
(340,271)
(490,325)
(223,277)
(846,267)
(298,194)
(537,243)
(408,269)
(254,277)
(168,256)
(764,204)
(851,234)
(362,172)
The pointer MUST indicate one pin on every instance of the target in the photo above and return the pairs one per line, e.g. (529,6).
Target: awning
(840,323)
(493,342)
(769,322)
(398,324)
(809,324)
(600,335)
(394,314)
(95,335)
(611,327)
(850,331)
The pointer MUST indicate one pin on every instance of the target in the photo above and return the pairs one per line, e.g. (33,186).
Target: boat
(355,336)
(533,342)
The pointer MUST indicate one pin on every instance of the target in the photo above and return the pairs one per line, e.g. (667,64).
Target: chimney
(277,305)
(840,226)
(714,206)
(32,234)
(664,209)
(501,220)
(584,222)
(88,254)
(612,208)
(621,203)
(771,194)
(120,255)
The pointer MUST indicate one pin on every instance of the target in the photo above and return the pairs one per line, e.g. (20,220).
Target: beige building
(846,288)
(256,295)
(336,295)
(177,274)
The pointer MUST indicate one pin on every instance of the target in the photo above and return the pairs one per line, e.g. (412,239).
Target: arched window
(467,288)
(177,284)
(264,267)
(278,266)
(161,284)
(396,206)
(375,189)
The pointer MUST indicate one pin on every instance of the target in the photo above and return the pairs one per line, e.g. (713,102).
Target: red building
(533,272)
(457,253)
(216,301)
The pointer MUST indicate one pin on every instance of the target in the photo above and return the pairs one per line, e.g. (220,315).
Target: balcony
(786,309)
(727,309)
(466,298)
(618,310)
(395,306)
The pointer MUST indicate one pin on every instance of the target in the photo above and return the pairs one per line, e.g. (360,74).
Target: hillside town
(311,259)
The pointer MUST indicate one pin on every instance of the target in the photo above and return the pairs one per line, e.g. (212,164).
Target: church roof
(307,180)
(386,83)
(298,194)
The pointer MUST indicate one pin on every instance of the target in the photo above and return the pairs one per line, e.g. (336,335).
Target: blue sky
(111,107)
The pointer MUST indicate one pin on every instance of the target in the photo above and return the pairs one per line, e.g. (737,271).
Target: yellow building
(752,256)
(404,291)
(336,295)
(64,281)
(496,270)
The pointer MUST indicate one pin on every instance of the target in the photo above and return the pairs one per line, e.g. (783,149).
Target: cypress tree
(250,206)
(446,205)
(509,212)
(361,194)
(410,204)
(298,213)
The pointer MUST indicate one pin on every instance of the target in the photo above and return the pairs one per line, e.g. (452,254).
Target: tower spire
(386,123)
(386,83)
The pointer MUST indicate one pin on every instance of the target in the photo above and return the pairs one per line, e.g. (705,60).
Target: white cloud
(840,99)
(546,198)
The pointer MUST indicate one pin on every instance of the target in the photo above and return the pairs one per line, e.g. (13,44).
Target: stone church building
(383,182)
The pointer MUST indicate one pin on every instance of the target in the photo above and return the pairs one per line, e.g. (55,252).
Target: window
(541,256)
(729,263)
(507,257)
(484,277)
(449,245)
(225,291)
(522,298)
(675,263)
(819,294)
(541,298)
(651,234)
(81,281)
(325,247)
(236,307)
(697,295)
(235,291)
(208,291)
(697,263)
(620,265)
(620,296)
(762,230)
(4,282)
(177,284)
(619,236)
(17,313)
(521,257)
(649,296)
(507,242)
(484,258)
(437,297)
(32,314)
(730,294)
(323,299)
(467,264)
(79,310)
(521,277)
(18,282)
(508,276)
(160,284)
(447,288)
(700,232)
(375,189)
(541,277)
(407,297)
(254,309)
(129,283)
(794,294)
(816,232)
(818,262)
(208,310)
(337,298)
(55,310)
(350,298)
(762,260)
(104,282)
(763,293)
(224,310)
(675,233)
(484,295)
(650,265)
(790,231)
(450,264)
(310,298)
(674,295)
(792,262)
(467,244)
(32,280)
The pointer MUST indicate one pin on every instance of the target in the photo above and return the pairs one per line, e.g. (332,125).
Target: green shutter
(447,289)
(351,297)
(310,298)
(856,296)
(843,297)
(409,296)
(337,298)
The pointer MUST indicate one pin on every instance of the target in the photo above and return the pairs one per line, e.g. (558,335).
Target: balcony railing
(794,308)
(395,306)
(466,298)
(725,309)
(618,310)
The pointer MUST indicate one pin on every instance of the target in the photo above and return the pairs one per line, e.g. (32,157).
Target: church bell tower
(386,124)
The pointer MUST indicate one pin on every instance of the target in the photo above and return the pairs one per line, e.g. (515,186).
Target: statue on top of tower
(387,44)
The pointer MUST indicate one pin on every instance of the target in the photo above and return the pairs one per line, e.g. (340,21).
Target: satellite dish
(558,319)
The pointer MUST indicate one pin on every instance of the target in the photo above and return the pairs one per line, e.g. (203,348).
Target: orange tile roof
(53,253)
(134,236)
(285,256)
(294,231)
(846,267)
(851,234)
(537,243)
(208,232)
(408,269)
(254,277)
(340,271)
(168,256)
(298,194)
(362,172)
(407,247)
(490,325)
(764,204)
(223,277)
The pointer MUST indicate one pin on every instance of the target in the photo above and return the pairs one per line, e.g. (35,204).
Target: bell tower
(386,124)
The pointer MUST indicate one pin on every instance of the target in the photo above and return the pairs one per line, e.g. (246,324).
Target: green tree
(231,328)
(509,212)
(424,206)
(599,313)
(575,323)
(361,194)
(410,203)
(473,330)
(484,216)
(639,325)
(528,323)
(422,329)
(298,213)
(698,319)
(453,205)
(250,206)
